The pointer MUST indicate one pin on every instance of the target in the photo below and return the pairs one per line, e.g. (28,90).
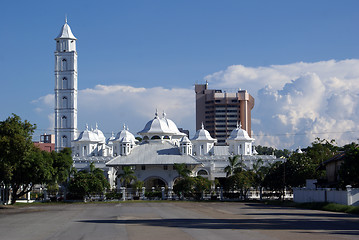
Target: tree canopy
(22,165)
(86,183)
(349,170)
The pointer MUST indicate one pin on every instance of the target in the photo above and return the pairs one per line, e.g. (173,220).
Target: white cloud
(298,102)
(115,105)
(294,103)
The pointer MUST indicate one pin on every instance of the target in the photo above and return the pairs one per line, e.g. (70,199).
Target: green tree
(240,181)
(259,172)
(62,164)
(22,165)
(126,176)
(87,183)
(184,187)
(182,169)
(235,165)
(349,170)
(321,150)
(201,185)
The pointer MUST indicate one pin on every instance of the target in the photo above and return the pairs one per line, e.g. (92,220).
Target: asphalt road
(174,220)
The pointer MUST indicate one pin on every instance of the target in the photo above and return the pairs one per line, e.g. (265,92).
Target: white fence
(350,196)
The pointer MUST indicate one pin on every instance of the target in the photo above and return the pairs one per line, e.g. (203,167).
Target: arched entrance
(155,182)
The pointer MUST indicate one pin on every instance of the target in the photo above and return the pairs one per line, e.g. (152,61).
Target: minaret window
(64,141)
(64,122)
(63,65)
(64,102)
(64,83)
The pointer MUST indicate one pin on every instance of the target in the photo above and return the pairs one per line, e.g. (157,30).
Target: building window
(64,83)
(63,65)
(143,167)
(64,122)
(64,102)
(165,167)
(64,141)
(202,172)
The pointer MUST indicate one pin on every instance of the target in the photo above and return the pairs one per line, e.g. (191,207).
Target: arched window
(202,172)
(155,137)
(64,102)
(64,141)
(145,138)
(64,83)
(84,153)
(166,137)
(64,65)
(64,122)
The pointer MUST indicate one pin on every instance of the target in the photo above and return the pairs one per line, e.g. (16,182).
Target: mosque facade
(161,144)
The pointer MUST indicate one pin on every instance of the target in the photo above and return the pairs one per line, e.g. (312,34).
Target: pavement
(173,220)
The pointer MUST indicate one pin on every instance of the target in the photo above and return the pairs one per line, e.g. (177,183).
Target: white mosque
(162,144)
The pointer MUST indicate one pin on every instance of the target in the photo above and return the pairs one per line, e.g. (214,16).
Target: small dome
(100,135)
(66,33)
(185,139)
(202,134)
(87,136)
(110,139)
(239,134)
(125,136)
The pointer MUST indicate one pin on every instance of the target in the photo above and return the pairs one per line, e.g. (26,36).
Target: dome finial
(87,126)
(202,126)
(96,125)
(164,114)
(240,125)
(66,18)
(156,113)
(124,126)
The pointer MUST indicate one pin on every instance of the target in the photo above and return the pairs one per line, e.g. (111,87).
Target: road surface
(173,220)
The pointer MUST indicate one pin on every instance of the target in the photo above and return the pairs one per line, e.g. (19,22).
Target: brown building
(220,111)
(47,142)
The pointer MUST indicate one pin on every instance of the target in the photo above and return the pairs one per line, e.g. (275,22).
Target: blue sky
(171,45)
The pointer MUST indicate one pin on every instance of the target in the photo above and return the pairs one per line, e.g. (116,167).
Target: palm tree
(126,176)
(182,169)
(235,165)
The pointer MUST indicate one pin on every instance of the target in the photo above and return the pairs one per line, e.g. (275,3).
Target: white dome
(87,136)
(160,126)
(125,136)
(185,139)
(100,135)
(239,134)
(203,135)
(111,139)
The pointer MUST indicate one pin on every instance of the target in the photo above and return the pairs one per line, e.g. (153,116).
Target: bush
(113,195)
(153,195)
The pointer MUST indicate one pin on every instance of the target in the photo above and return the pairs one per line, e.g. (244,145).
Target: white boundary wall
(350,196)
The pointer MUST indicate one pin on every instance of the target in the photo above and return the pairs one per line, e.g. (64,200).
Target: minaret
(65,88)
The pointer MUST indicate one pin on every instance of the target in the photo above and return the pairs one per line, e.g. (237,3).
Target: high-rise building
(221,111)
(65,88)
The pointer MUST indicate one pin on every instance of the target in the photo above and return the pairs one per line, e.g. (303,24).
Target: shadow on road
(336,226)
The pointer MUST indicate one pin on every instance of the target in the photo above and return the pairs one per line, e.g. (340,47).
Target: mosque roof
(185,139)
(203,135)
(160,126)
(87,136)
(239,134)
(125,136)
(65,32)
(153,153)
(100,135)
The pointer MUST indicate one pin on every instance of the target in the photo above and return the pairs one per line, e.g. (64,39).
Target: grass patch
(323,206)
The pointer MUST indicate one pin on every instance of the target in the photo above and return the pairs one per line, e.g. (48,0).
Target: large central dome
(160,127)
